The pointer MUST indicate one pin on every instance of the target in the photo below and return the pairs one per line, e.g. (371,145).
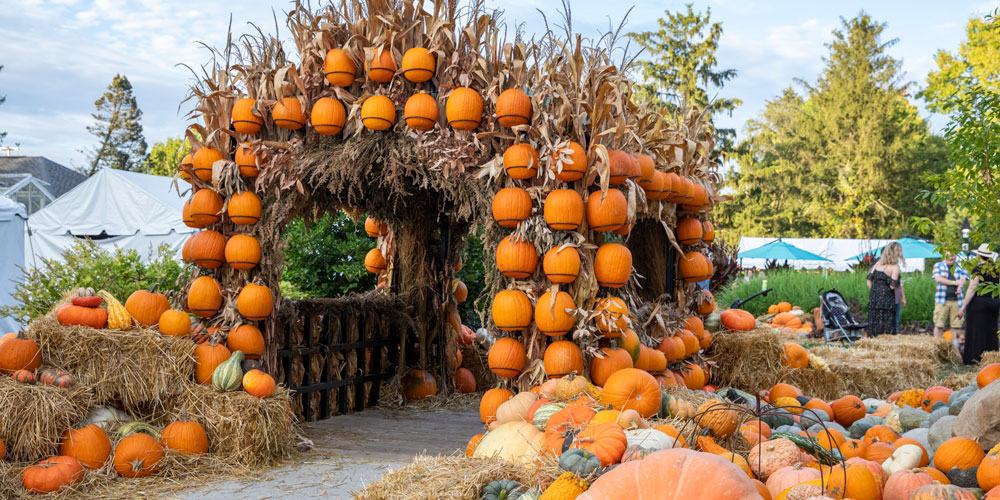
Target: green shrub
(326,258)
(801,288)
(120,272)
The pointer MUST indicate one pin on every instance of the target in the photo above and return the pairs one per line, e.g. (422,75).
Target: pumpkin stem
(153,288)
(136,465)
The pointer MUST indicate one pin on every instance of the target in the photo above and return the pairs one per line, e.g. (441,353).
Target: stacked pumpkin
(788,319)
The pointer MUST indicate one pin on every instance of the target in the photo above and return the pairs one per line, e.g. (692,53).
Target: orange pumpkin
(555,315)
(988,474)
(856,482)
(561,358)
(339,69)
(632,388)
(520,161)
(689,231)
(287,114)
(563,209)
(244,208)
(137,455)
(695,267)
(464,109)
(242,252)
(513,108)
(418,64)
(561,264)
(19,353)
(507,357)
(246,338)
(960,452)
(248,163)
(511,206)
(606,211)
(511,310)
(205,207)
(421,112)
(328,116)
(491,400)
(612,317)
(382,67)
(880,434)
(794,356)
(244,120)
(260,384)
(255,302)
(878,451)
(516,258)
(606,441)
(473,443)
(612,361)
(89,445)
(206,249)
(378,113)
(570,162)
(901,441)
(988,374)
(847,409)
(204,296)
(674,474)
(569,419)
(612,265)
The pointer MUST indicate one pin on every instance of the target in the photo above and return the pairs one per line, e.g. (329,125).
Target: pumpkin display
(695,267)
(513,108)
(511,206)
(418,65)
(381,67)
(146,306)
(228,376)
(245,120)
(255,302)
(555,315)
(19,353)
(421,112)
(287,114)
(89,445)
(137,455)
(738,319)
(242,252)
(52,474)
(185,436)
(794,355)
(612,317)
(561,264)
(563,209)
(243,208)
(689,231)
(511,310)
(378,113)
(207,357)
(632,388)
(507,357)
(611,361)
(516,258)
(328,116)
(520,161)
(612,265)
(204,296)
(606,211)
(247,339)
(207,249)
(374,261)
(569,163)
(260,384)
(92,316)
(958,452)
(339,69)
(464,109)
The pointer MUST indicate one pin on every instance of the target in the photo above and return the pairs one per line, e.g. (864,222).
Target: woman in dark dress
(883,280)
(982,310)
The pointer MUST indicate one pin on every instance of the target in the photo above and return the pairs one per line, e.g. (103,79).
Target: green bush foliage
(326,258)
(120,272)
(801,288)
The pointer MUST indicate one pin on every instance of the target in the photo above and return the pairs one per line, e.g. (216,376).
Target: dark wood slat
(343,383)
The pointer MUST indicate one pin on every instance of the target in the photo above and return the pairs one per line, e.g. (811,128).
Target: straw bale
(956,381)
(821,384)
(34,417)
(131,367)
(750,361)
(989,357)
(243,429)
(454,478)
(939,351)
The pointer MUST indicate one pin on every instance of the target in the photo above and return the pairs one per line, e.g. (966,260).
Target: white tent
(12,217)
(117,209)
(839,251)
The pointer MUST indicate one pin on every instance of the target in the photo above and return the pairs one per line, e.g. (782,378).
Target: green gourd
(543,413)
(502,489)
(579,461)
(861,426)
(228,376)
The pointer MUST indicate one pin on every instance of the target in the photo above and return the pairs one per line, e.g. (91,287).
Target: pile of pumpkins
(787,319)
(802,448)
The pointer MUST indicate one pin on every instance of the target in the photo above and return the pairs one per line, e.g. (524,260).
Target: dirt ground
(353,450)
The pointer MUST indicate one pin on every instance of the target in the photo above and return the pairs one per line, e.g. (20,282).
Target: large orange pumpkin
(563,209)
(520,161)
(244,120)
(328,116)
(606,211)
(988,374)
(737,319)
(695,267)
(561,358)
(511,310)
(606,441)
(146,306)
(248,163)
(381,67)
(89,444)
(512,205)
(19,353)
(507,357)
(516,258)
(794,355)
(242,252)
(288,114)
(570,162)
(689,231)
(206,249)
(255,302)
(988,474)
(205,207)
(421,112)
(611,361)
(204,296)
(246,338)
(632,388)
(847,409)
(244,208)
(513,108)
(464,109)
(612,265)
(339,69)
(138,455)
(378,113)
(561,264)
(418,64)
(555,315)
(960,452)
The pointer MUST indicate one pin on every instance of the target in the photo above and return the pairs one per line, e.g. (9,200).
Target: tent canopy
(912,249)
(12,217)
(839,251)
(780,250)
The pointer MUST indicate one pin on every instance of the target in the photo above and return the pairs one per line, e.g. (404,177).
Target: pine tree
(121,144)
(682,66)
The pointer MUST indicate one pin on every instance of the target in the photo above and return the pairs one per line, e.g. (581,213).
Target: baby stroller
(838,322)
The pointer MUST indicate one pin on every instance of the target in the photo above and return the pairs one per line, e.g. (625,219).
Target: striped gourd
(118,317)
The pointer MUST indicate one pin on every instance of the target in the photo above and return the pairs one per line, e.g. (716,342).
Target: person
(900,296)
(948,299)
(883,280)
(983,309)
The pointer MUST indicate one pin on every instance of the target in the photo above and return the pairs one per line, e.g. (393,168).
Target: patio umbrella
(779,250)
(912,249)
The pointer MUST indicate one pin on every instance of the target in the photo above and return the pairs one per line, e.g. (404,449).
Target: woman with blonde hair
(883,280)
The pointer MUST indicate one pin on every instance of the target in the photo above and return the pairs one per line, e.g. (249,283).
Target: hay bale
(34,417)
(454,478)
(131,367)
(816,383)
(989,357)
(243,429)
(940,351)
(750,361)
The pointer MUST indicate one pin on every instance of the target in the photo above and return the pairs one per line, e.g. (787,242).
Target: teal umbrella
(912,249)
(779,250)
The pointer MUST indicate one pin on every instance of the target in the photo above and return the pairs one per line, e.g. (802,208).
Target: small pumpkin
(89,445)
(515,408)
(905,457)
(185,436)
(579,461)
(25,377)
(56,378)
(502,489)
(19,353)
(258,383)
(52,474)
(174,323)
(606,441)
(566,487)
(137,455)
(718,417)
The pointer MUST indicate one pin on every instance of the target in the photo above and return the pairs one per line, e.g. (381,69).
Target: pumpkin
(689,231)
(695,267)
(579,461)
(571,418)
(794,355)
(933,396)
(503,489)
(606,211)
(203,160)
(204,296)
(286,114)
(786,477)
(378,113)
(464,109)
(491,401)
(612,361)
(56,378)
(382,66)
(247,162)
(247,339)
(516,442)
(562,358)
(24,377)
(631,388)
(817,405)
(515,408)
(941,492)
(544,412)
(174,323)
(555,315)
(513,108)
(137,455)
(694,376)
(563,209)
(245,121)
(418,65)
(847,410)
(255,302)
(328,116)
(375,227)
(511,206)
(207,357)
(769,456)
(507,357)
(880,434)
(606,441)
(903,483)
(856,482)
(988,473)
(680,474)
(146,306)
(511,310)
(709,235)
(958,452)
(569,163)
(51,474)
(206,249)
(94,317)
(244,208)
(417,384)
(374,261)
(718,417)
(520,161)
(566,487)
(465,381)
(516,258)
(421,112)
(339,69)
(473,443)
(621,167)
(89,445)
(651,439)
(19,353)
(629,340)
(737,319)
(228,376)
(707,304)
(612,265)
(830,439)
(570,387)
(205,207)
(988,374)
(924,458)
(185,436)
(561,264)
(905,457)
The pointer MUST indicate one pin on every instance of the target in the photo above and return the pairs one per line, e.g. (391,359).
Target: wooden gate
(335,353)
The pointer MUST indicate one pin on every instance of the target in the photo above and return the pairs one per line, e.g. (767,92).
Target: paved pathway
(352,450)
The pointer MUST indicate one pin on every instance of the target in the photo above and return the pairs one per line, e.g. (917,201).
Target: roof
(60,179)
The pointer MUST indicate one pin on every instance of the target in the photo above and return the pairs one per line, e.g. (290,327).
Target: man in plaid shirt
(950,279)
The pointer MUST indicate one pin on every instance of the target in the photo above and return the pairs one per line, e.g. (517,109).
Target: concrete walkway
(351,451)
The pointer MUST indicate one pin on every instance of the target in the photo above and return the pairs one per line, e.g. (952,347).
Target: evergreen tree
(121,144)
(682,66)
(165,157)
(847,159)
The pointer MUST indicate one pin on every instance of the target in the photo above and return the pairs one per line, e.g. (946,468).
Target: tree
(976,63)
(326,258)
(682,65)
(846,159)
(121,144)
(165,157)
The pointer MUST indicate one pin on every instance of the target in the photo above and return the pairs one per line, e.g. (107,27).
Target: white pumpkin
(516,442)
(650,439)
(515,408)
(105,415)
(872,404)
(904,458)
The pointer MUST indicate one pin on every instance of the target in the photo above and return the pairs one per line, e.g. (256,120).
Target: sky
(60,55)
